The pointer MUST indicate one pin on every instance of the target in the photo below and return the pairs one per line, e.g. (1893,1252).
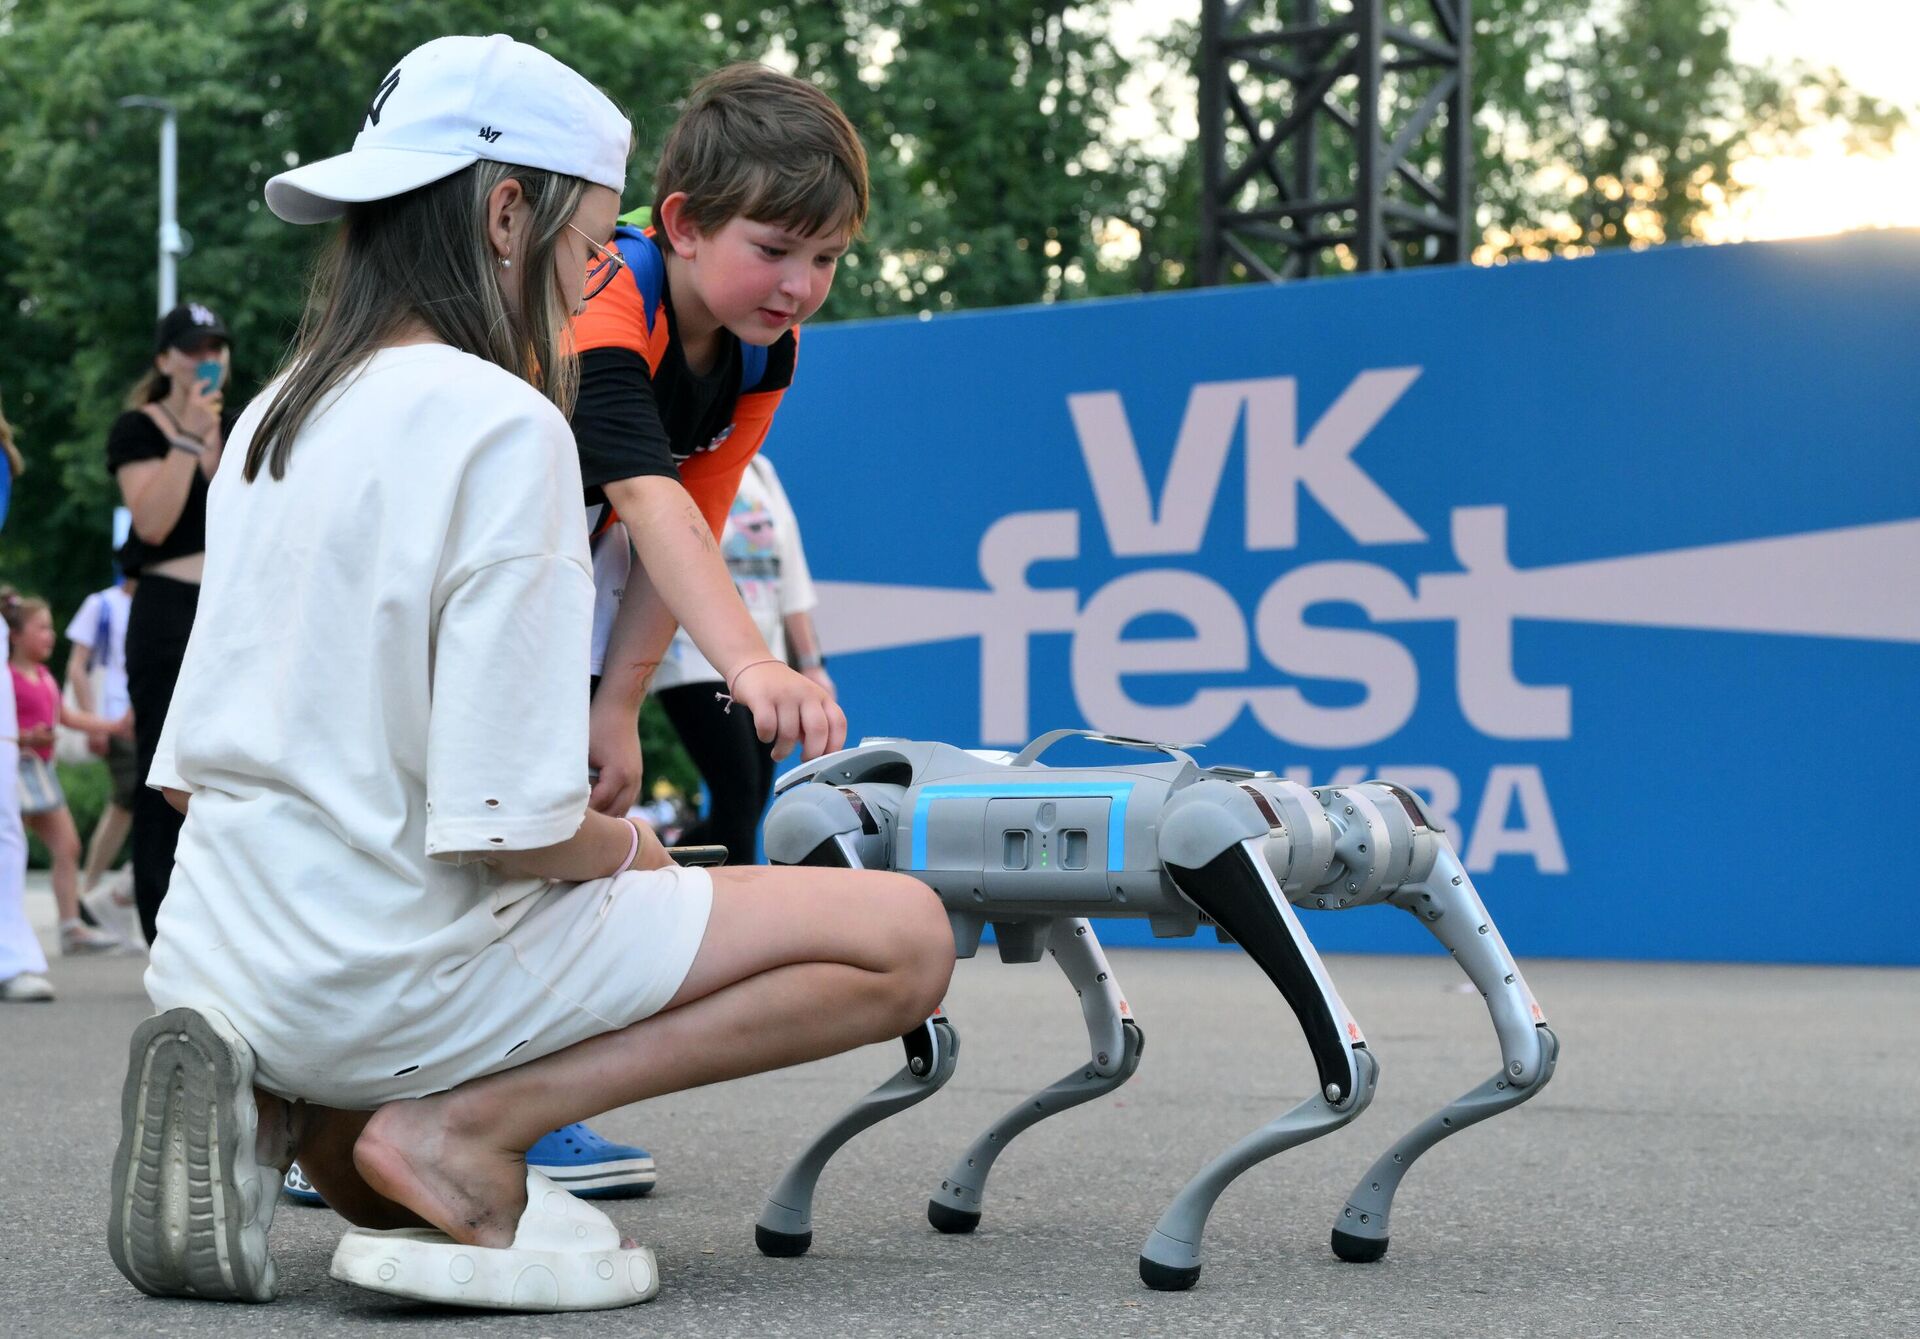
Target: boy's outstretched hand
(789,708)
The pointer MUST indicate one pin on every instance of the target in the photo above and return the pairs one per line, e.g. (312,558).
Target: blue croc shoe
(297,1188)
(590,1166)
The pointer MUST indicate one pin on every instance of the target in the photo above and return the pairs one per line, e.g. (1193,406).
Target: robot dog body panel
(1020,845)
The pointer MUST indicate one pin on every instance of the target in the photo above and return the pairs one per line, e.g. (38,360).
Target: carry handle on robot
(1027,755)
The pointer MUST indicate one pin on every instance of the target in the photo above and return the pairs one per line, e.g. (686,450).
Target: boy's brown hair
(755,143)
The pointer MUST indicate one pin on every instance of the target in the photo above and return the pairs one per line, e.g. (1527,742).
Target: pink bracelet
(632,850)
(727,697)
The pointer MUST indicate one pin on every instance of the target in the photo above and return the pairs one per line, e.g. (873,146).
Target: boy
(761,186)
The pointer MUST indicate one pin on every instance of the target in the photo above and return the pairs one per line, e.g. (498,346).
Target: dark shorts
(123,765)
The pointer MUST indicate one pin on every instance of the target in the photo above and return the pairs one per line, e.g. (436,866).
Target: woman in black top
(163,452)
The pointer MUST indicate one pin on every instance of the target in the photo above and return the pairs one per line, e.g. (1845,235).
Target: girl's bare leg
(796,964)
(322,1138)
(109,835)
(62,841)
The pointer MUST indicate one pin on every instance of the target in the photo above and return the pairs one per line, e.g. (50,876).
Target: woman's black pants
(157,628)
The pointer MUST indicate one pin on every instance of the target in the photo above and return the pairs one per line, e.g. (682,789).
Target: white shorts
(587,958)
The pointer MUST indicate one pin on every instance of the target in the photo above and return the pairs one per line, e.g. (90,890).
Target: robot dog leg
(786,1224)
(1115,1041)
(1386,848)
(1215,843)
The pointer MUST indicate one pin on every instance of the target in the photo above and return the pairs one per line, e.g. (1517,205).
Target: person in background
(23,963)
(43,805)
(164,451)
(761,543)
(98,638)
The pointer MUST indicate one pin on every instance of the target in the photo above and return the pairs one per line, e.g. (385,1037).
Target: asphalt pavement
(1725,1150)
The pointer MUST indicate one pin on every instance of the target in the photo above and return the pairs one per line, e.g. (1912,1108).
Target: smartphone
(209,375)
(698,855)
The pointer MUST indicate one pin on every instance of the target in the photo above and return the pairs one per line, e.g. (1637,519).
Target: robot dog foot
(786,1224)
(1170,1259)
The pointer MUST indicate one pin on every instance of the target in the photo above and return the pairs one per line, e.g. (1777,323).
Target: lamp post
(173,243)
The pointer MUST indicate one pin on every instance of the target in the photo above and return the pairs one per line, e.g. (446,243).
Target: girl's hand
(123,727)
(97,743)
(37,738)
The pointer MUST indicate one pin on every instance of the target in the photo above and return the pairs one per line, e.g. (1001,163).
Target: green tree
(987,123)
(989,126)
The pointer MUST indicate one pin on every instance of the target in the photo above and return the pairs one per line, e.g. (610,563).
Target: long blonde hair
(424,257)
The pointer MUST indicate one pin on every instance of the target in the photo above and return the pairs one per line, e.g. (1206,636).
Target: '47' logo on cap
(489,134)
(380,96)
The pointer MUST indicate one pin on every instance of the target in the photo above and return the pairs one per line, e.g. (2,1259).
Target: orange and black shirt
(642,411)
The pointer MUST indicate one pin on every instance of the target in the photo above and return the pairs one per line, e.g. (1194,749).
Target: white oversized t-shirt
(387,674)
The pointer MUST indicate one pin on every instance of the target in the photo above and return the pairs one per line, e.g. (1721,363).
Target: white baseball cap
(453,102)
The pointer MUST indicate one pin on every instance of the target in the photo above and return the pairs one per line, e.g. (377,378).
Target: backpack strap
(646,265)
(649,270)
(753,365)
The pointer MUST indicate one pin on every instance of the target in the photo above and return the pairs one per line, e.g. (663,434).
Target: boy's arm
(686,573)
(774,693)
(681,572)
(79,661)
(624,451)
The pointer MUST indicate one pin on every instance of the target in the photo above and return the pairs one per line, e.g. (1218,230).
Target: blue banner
(1615,560)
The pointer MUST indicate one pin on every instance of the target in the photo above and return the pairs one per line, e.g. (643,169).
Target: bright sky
(1827,190)
(1820,189)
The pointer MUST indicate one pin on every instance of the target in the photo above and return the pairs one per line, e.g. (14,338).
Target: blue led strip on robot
(1119,793)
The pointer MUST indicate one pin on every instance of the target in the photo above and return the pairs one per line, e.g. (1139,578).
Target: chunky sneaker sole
(190,1203)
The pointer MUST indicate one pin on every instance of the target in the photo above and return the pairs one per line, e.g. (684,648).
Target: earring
(505,264)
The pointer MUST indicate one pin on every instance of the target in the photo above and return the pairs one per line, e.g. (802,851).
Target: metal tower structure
(1334,126)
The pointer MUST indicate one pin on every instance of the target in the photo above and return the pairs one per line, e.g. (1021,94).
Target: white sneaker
(25,988)
(112,908)
(78,938)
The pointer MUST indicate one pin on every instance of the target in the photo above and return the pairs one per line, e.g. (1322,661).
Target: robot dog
(1033,850)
